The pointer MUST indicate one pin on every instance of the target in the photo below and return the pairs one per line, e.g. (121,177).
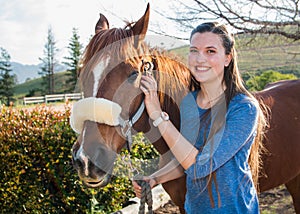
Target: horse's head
(112,65)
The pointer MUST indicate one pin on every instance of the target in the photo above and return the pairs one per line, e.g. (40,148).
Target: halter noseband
(126,125)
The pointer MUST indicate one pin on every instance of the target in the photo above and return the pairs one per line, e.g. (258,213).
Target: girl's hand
(138,189)
(149,87)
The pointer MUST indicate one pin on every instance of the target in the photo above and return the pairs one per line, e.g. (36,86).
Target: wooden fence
(52,97)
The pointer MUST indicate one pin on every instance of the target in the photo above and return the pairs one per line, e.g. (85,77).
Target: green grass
(24,89)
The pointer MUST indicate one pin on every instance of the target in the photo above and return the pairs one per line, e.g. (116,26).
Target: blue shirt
(226,153)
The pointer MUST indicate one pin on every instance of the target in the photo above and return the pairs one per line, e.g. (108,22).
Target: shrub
(36,171)
(258,82)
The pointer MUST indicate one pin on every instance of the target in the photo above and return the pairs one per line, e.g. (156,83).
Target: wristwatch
(163,117)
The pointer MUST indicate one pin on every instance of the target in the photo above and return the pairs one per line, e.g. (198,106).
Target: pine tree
(72,61)
(48,63)
(7,80)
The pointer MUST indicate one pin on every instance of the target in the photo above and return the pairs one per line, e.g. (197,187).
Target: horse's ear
(141,26)
(102,24)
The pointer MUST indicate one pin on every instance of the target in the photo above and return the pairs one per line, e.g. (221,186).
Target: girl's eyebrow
(208,47)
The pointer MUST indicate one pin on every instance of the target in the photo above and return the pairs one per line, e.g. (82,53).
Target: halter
(126,125)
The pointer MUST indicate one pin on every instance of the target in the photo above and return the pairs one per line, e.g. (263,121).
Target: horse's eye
(132,77)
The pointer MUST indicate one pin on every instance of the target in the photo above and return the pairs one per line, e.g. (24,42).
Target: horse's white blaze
(97,74)
(80,155)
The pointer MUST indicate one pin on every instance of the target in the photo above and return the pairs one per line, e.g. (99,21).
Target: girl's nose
(200,58)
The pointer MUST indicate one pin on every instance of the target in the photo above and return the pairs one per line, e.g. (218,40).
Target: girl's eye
(211,51)
(132,77)
(193,51)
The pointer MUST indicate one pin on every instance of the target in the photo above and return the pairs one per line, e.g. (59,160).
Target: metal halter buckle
(126,127)
(147,67)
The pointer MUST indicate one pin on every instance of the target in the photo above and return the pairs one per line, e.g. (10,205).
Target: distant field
(272,57)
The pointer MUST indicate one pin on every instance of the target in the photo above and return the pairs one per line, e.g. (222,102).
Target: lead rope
(146,197)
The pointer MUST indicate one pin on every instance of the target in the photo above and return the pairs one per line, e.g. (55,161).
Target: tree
(258,83)
(7,80)
(72,61)
(48,63)
(280,17)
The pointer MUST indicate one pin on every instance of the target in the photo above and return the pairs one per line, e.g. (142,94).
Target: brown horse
(281,163)
(113,63)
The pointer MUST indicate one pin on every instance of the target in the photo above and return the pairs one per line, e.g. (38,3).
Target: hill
(31,87)
(28,72)
(24,72)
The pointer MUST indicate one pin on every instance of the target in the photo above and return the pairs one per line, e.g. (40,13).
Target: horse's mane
(173,75)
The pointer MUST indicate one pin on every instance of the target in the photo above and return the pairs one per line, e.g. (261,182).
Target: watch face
(164,116)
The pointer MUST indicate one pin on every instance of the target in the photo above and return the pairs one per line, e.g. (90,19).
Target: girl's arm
(170,171)
(183,150)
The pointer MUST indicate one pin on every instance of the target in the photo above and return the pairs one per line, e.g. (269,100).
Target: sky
(24,23)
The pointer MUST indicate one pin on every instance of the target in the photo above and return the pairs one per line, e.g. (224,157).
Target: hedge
(37,175)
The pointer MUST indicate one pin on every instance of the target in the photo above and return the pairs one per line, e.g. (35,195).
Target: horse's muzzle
(93,168)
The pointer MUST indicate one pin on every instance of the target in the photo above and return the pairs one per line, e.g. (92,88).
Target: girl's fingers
(144,89)
(149,81)
(137,189)
(136,186)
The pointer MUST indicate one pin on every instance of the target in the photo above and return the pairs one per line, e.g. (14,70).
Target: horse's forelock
(116,42)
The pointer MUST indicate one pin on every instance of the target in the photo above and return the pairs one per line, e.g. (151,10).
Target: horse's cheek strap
(99,110)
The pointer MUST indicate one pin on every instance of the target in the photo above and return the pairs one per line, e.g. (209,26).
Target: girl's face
(207,57)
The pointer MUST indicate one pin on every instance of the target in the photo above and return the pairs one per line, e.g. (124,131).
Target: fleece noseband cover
(99,110)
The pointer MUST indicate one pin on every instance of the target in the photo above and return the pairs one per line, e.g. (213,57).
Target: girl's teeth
(201,69)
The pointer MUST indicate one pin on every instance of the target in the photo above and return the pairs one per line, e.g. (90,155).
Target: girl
(221,128)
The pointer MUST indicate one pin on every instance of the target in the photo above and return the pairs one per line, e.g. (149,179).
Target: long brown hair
(235,85)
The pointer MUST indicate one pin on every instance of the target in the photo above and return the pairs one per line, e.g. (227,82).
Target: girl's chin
(200,76)
(201,80)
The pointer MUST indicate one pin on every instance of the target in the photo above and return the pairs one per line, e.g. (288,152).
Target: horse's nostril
(93,183)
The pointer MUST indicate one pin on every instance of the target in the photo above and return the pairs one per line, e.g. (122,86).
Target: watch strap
(163,117)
